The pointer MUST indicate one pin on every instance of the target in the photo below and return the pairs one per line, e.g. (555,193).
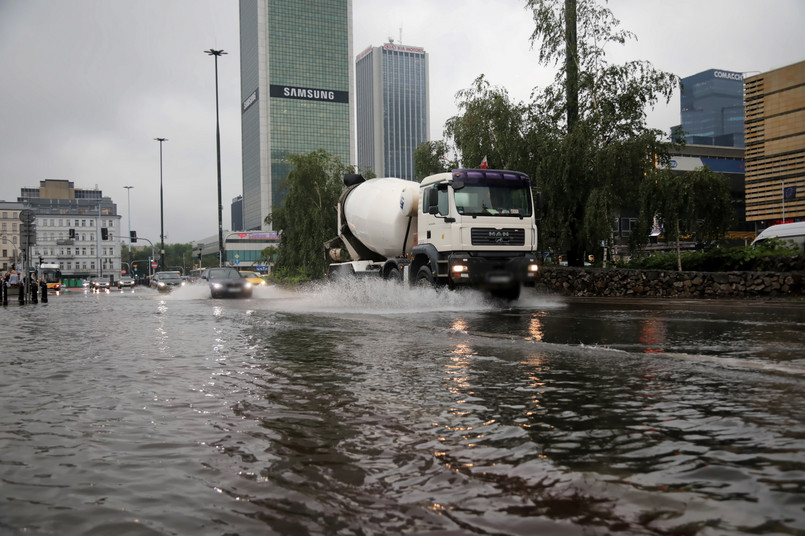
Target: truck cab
(476,227)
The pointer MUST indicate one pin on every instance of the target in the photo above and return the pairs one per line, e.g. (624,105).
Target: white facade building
(70,228)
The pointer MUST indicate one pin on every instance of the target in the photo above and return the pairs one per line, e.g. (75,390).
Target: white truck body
(471,228)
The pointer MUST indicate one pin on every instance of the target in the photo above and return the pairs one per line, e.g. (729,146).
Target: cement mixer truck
(466,228)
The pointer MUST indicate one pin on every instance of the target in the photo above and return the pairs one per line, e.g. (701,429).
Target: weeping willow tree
(695,204)
(431,157)
(307,216)
(594,144)
(489,125)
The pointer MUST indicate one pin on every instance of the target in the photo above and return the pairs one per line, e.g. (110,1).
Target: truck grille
(497,237)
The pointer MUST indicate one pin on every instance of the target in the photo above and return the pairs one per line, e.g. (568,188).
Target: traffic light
(133,236)
(104,233)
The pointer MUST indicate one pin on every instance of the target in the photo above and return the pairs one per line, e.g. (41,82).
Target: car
(255,278)
(227,283)
(99,283)
(166,281)
(125,281)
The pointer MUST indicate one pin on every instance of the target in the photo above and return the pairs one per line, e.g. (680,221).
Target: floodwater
(365,408)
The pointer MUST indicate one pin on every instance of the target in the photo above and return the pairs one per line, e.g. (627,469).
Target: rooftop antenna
(401,35)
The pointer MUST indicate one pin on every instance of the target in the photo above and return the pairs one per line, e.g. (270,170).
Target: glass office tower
(392,108)
(296,82)
(712,108)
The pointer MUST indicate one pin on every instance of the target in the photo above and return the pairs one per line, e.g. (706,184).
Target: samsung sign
(311,94)
(251,99)
(728,75)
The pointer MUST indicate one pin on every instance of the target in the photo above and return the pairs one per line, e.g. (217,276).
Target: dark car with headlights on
(227,283)
(166,281)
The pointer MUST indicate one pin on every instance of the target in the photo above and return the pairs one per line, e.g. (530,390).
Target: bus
(50,274)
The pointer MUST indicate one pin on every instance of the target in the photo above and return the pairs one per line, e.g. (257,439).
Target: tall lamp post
(128,198)
(161,210)
(216,54)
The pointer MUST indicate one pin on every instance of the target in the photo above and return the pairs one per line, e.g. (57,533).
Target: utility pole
(216,54)
(161,210)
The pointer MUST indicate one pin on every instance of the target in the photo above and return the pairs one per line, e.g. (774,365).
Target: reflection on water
(368,408)
(652,335)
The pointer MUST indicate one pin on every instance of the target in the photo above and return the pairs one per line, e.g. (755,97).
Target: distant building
(10,235)
(729,161)
(237,213)
(712,108)
(392,102)
(244,249)
(775,146)
(70,228)
(296,82)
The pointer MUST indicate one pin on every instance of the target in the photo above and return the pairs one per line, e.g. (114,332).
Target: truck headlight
(458,268)
(533,269)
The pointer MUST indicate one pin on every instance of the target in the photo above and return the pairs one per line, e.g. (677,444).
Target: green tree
(695,203)
(431,157)
(307,216)
(588,129)
(489,125)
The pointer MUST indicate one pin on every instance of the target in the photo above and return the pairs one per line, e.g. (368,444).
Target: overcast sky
(86,85)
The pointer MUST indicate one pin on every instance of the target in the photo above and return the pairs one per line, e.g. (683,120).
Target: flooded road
(372,409)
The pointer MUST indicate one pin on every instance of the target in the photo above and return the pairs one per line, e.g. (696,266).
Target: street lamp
(128,196)
(161,210)
(217,53)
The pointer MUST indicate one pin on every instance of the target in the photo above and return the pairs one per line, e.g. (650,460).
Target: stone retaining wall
(664,283)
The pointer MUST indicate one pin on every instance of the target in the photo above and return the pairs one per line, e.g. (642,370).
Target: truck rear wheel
(395,274)
(424,277)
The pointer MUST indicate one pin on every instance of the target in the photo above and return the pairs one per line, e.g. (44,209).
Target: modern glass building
(712,108)
(392,108)
(296,82)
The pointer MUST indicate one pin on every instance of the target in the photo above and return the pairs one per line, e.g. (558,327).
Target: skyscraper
(392,108)
(712,108)
(296,82)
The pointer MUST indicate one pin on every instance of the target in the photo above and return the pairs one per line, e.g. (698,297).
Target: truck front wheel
(424,277)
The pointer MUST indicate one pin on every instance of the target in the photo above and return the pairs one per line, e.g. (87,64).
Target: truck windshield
(495,198)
